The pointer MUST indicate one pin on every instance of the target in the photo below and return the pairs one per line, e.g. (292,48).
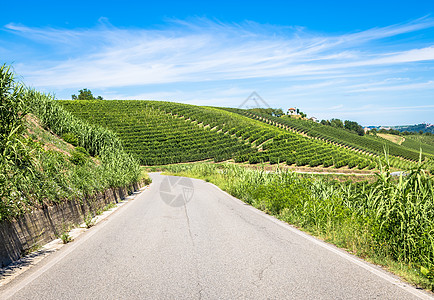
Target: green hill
(415,128)
(159,132)
(370,144)
(417,142)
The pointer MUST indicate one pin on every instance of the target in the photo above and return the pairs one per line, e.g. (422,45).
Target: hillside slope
(420,142)
(371,144)
(38,168)
(165,132)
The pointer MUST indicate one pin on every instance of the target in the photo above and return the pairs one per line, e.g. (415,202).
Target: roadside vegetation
(37,167)
(388,220)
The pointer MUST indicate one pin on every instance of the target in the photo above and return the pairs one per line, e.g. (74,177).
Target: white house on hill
(292,111)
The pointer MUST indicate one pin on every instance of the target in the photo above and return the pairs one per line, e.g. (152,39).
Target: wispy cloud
(290,60)
(108,57)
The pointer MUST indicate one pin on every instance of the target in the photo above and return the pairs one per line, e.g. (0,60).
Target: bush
(253,160)
(78,157)
(290,160)
(274,160)
(327,163)
(82,150)
(71,138)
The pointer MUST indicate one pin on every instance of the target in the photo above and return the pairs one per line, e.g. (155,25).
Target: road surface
(186,239)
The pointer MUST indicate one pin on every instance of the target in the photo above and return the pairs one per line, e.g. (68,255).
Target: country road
(186,239)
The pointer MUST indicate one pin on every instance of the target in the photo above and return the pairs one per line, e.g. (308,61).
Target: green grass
(37,168)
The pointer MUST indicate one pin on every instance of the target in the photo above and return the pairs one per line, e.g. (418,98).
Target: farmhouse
(292,111)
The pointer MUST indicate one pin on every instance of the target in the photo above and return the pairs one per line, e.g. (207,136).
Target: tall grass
(391,218)
(32,175)
(60,121)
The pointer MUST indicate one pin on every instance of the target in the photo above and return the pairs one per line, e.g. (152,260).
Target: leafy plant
(32,175)
(78,157)
(70,138)
(66,237)
(89,220)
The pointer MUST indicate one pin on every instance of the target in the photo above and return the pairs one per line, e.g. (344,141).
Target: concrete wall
(43,225)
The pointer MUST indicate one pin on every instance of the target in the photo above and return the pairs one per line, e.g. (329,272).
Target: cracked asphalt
(212,247)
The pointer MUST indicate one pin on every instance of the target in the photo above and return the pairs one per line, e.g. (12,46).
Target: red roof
(291,108)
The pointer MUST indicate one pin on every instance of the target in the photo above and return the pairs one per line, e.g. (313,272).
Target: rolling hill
(158,132)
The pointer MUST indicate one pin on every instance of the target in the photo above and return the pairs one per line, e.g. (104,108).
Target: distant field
(417,142)
(391,137)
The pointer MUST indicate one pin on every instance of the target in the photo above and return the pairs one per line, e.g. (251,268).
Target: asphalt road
(212,247)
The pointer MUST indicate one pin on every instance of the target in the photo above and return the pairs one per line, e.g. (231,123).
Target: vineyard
(369,144)
(156,137)
(157,133)
(416,142)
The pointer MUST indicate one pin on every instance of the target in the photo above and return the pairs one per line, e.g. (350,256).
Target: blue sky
(368,61)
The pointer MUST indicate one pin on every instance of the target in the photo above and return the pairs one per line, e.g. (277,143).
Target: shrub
(78,157)
(71,138)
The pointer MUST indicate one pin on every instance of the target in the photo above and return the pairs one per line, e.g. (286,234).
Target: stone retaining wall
(43,225)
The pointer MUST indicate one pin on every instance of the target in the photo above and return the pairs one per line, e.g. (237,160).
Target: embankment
(40,226)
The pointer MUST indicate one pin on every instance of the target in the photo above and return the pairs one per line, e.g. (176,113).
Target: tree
(355,127)
(325,122)
(85,94)
(276,112)
(337,123)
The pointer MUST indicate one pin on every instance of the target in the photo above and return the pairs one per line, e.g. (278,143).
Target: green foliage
(31,176)
(275,112)
(162,132)
(82,151)
(420,142)
(89,220)
(345,138)
(354,126)
(13,146)
(336,123)
(389,131)
(66,237)
(70,138)
(85,94)
(79,156)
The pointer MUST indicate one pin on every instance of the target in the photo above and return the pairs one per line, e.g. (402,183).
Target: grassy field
(391,137)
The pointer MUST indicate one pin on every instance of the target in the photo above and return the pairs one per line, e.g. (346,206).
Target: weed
(89,220)
(66,237)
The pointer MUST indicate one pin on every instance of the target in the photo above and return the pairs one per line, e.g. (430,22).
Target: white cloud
(211,63)
(110,57)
